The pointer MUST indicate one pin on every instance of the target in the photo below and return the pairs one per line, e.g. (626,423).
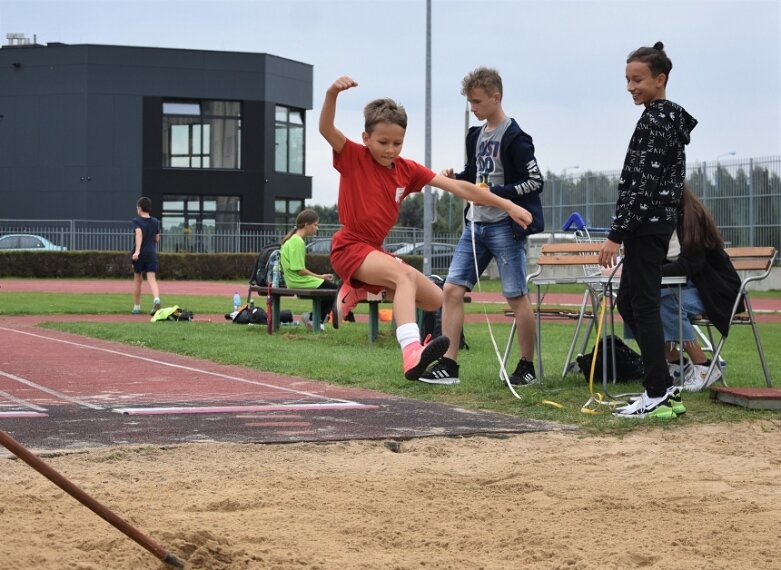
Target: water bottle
(275,274)
(236,301)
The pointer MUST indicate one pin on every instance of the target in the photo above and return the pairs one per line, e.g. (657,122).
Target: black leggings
(326,303)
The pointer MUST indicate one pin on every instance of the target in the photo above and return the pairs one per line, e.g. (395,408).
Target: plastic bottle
(236,301)
(275,274)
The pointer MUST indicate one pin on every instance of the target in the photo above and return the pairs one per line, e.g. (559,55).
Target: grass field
(347,357)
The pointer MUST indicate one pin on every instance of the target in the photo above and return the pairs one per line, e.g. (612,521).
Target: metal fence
(744,196)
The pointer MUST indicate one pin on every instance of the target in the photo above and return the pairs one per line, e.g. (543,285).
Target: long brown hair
(699,228)
(303,218)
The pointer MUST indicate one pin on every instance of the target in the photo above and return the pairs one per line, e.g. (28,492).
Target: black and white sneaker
(524,374)
(443,372)
(647,407)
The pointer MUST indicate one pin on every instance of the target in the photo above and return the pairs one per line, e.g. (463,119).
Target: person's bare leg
(409,288)
(152,280)
(453,317)
(525,325)
(137,280)
(690,347)
(695,352)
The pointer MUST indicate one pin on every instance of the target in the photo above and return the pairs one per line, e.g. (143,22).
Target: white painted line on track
(179,366)
(21,402)
(21,414)
(51,392)
(151,411)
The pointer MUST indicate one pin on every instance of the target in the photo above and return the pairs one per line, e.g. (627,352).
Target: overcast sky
(562,63)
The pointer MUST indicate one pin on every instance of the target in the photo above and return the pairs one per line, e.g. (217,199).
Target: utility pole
(428,210)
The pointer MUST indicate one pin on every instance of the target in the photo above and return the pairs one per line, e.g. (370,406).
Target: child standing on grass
(293,261)
(146,236)
(649,191)
(374,180)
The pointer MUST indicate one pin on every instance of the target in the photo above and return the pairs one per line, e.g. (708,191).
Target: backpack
(431,323)
(629,364)
(264,265)
(250,315)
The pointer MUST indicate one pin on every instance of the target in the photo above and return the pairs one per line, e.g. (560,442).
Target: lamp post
(561,192)
(428,207)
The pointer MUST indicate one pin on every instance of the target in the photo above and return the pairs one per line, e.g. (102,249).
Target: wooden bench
(315,295)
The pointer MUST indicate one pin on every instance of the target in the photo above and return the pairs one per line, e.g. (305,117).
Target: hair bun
(659,46)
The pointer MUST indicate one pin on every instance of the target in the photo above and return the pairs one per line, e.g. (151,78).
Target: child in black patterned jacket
(648,194)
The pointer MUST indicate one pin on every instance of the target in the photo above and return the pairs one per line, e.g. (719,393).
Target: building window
(200,223)
(202,134)
(285,212)
(289,140)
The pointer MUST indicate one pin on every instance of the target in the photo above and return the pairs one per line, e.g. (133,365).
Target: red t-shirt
(370,196)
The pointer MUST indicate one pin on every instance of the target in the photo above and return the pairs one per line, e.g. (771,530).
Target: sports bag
(629,364)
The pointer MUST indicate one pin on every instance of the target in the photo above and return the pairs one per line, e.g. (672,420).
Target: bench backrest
(567,255)
(756,259)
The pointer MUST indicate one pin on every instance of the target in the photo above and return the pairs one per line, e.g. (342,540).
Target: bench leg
(374,320)
(316,316)
(275,320)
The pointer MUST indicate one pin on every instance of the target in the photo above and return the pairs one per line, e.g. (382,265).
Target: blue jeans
(691,307)
(491,241)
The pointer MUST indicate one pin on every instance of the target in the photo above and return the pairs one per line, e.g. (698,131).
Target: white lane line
(51,392)
(180,366)
(153,411)
(23,415)
(21,402)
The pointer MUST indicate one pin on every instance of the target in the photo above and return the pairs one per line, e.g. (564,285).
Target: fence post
(751,201)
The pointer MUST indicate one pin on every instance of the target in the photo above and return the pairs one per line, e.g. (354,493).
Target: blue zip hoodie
(522,176)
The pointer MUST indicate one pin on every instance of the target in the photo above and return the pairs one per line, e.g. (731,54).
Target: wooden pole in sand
(102,511)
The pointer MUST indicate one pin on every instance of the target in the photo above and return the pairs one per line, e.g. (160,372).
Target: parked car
(319,245)
(25,242)
(394,247)
(441,254)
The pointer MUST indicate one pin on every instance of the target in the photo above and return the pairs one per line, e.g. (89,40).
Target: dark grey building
(213,138)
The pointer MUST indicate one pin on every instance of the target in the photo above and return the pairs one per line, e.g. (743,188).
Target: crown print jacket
(654,172)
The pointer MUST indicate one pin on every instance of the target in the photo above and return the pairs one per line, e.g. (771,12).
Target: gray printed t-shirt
(489,170)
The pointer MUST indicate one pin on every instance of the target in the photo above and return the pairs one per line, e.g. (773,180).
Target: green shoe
(662,413)
(675,401)
(646,407)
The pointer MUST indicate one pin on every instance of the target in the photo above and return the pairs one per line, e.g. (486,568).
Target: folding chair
(555,257)
(753,264)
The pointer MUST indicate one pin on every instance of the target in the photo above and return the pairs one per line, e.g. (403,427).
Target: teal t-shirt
(293,259)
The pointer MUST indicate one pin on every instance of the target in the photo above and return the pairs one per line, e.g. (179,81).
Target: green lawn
(347,357)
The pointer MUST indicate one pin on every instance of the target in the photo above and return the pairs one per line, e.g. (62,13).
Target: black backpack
(261,273)
(629,364)
(431,323)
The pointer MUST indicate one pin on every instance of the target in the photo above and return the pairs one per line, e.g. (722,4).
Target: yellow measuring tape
(596,403)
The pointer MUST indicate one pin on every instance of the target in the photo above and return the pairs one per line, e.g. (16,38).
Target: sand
(676,497)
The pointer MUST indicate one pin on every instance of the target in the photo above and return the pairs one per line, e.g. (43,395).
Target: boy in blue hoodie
(500,158)
(649,192)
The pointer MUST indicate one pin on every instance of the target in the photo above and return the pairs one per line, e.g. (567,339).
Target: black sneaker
(443,372)
(524,374)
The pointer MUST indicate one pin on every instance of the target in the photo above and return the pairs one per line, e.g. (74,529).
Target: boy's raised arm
(334,136)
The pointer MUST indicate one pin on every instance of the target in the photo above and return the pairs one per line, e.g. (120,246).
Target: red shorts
(348,252)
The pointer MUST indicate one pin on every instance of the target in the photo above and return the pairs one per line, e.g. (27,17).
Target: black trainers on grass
(524,374)
(443,372)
